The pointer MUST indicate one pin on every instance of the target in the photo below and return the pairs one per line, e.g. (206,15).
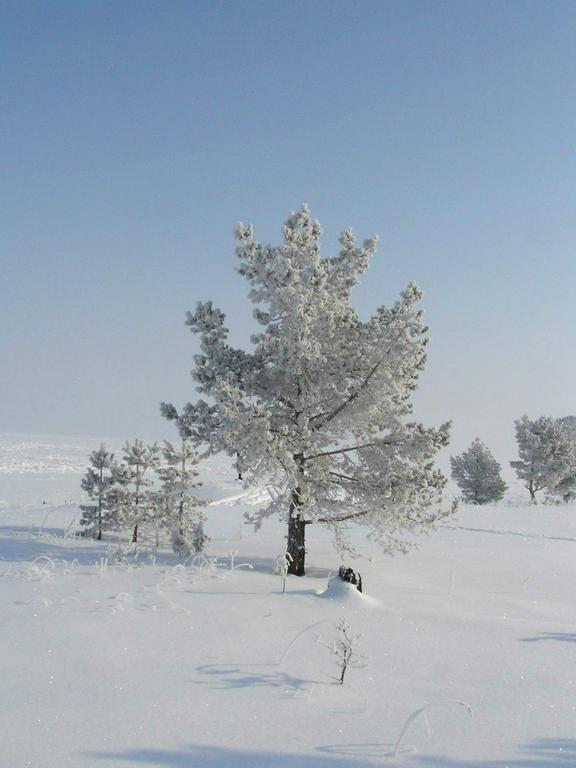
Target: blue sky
(134,135)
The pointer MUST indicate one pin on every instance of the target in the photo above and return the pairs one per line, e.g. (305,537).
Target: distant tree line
(547,462)
(148,486)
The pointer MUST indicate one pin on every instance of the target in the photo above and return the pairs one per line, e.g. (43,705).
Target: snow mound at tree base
(343,592)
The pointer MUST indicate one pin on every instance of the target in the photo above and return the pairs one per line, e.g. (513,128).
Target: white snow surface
(151,662)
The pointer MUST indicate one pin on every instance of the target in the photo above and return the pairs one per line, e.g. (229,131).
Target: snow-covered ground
(151,663)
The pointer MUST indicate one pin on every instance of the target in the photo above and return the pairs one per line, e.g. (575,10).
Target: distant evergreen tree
(136,499)
(97,483)
(478,475)
(569,424)
(565,486)
(546,454)
(178,509)
(118,498)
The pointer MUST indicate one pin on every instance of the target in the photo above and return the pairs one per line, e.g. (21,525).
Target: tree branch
(337,411)
(344,477)
(352,448)
(339,450)
(342,518)
(332,414)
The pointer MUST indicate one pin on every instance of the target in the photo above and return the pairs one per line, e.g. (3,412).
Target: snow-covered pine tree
(566,486)
(545,454)
(320,408)
(478,474)
(569,424)
(97,483)
(564,483)
(137,499)
(181,510)
(119,497)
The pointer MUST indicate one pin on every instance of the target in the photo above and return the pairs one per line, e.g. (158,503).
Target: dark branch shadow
(539,753)
(559,637)
(229,676)
(197,756)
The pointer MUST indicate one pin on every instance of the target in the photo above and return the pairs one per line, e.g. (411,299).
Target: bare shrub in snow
(281,567)
(344,648)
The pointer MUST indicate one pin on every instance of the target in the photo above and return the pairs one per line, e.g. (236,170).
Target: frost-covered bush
(344,648)
(478,475)
(547,455)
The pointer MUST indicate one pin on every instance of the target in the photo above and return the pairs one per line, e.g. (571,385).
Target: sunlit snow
(112,658)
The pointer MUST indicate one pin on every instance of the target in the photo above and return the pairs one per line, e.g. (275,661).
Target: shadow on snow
(559,637)
(539,753)
(248,675)
(193,756)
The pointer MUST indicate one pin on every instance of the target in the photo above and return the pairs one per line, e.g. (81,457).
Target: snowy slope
(151,663)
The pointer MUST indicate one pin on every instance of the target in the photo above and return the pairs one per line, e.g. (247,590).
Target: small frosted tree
(478,475)
(119,497)
(546,455)
(344,648)
(97,483)
(136,498)
(320,408)
(181,510)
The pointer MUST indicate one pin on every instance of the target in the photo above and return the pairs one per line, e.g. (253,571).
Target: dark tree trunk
(296,544)
(100,504)
(296,548)
(136,503)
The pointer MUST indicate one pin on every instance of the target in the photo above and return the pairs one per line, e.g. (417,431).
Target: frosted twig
(102,567)
(299,635)
(422,711)
(281,565)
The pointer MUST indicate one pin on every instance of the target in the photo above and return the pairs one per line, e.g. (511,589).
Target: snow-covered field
(151,663)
